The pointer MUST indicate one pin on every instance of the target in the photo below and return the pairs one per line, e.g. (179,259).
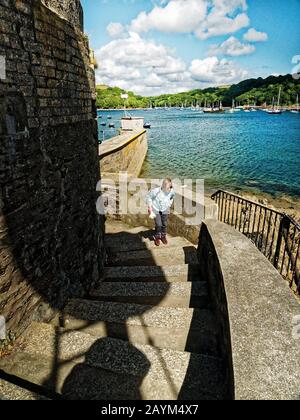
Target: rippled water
(242,151)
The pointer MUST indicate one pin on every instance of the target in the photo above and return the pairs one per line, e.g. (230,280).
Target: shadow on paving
(118,370)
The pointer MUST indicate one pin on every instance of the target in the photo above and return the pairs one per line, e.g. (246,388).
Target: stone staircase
(146,332)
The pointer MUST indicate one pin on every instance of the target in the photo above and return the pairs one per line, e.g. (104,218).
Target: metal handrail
(275,234)
(245,199)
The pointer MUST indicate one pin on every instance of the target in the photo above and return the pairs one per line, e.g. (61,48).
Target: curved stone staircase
(146,332)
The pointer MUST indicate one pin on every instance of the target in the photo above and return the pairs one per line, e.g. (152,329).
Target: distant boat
(275,111)
(214,109)
(232,110)
(111,125)
(207,110)
(236,108)
(147,125)
(109,117)
(296,111)
(103,124)
(253,108)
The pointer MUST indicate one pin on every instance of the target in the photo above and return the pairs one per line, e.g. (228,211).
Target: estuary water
(252,152)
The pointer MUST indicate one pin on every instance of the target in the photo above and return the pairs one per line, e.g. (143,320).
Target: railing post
(284,224)
(286,258)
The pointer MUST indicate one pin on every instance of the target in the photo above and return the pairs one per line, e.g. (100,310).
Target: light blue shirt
(159,200)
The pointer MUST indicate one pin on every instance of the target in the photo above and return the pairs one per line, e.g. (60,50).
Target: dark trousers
(161,224)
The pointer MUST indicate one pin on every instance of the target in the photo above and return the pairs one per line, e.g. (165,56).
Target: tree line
(252,91)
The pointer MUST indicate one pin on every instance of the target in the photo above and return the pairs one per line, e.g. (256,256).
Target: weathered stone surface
(124,153)
(150,289)
(105,368)
(182,329)
(185,222)
(137,314)
(178,295)
(156,256)
(69,10)
(174,273)
(11,392)
(49,163)
(125,242)
(255,310)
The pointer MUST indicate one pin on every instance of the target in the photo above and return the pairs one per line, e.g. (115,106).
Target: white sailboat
(253,109)
(296,111)
(275,111)
(247,107)
(232,110)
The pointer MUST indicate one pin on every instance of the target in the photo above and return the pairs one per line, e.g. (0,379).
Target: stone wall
(69,10)
(51,239)
(124,153)
(180,223)
(255,310)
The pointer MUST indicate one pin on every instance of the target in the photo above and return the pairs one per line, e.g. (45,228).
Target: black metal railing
(274,233)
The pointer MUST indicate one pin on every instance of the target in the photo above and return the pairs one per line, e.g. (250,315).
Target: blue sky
(161,46)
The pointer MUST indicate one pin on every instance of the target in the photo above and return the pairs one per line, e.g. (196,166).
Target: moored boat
(275,111)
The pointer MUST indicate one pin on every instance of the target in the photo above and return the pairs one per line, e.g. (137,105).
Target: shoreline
(225,108)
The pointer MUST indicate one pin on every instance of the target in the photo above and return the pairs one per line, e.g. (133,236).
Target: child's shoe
(164,239)
(157,240)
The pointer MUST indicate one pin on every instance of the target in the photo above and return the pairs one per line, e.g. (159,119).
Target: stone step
(157,257)
(11,392)
(180,295)
(123,242)
(120,227)
(99,369)
(182,329)
(174,273)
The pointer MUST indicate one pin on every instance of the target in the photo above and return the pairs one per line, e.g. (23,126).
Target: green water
(242,151)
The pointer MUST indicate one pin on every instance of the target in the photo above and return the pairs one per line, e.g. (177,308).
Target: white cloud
(177,16)
(149,68)
(216,25)
(115,30)
(254,36)
(228,6)
(232,47)
(204,18)
(142,66)
(214,71)
(153,80)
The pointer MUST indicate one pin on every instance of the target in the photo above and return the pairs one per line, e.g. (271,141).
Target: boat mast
(279,94)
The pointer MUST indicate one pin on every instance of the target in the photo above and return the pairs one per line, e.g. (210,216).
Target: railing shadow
(117,370)
(112,369)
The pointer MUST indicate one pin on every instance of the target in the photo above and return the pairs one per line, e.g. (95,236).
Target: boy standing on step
(159,202)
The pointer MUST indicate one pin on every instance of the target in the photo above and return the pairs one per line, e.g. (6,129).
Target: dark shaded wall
(51,237)
(69,10)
